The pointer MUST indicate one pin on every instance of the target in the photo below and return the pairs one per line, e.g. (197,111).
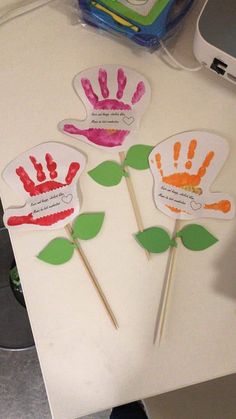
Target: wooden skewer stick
(133,199)
(92,277)
(163,306)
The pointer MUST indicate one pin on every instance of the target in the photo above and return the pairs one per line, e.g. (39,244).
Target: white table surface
(87,365)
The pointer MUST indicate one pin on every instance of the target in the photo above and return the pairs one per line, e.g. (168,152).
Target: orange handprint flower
(184,167)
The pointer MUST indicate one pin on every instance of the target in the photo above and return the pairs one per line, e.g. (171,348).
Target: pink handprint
(42,187)
(105,137)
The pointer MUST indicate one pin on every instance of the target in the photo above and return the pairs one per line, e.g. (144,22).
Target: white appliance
(215,38)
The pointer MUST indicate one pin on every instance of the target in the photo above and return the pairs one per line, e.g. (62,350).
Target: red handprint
(43,186)
(100,136)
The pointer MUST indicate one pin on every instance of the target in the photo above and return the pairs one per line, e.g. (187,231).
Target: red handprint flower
(110,101)
(51,201)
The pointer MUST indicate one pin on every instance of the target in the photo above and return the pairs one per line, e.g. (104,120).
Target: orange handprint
(192,167)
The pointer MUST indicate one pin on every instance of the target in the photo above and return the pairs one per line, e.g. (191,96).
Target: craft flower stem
(165,294)
(60,250)
(110,173)
(157,240)
(194,237)
(133,198)
(92,276)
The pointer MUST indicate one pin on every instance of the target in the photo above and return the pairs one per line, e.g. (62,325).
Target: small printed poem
(178,198)
(52,202)
(112,119)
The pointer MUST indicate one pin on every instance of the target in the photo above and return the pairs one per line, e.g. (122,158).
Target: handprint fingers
(121,81)
(72,171)
(23,217)
(110,137)
(139,92)
(102,78)
(28,184)
(184,179)
(88,90)
(218,203)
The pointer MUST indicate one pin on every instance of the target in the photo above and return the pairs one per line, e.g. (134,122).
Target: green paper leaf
(57,252)
(14,276)
(137,156)
(108,173)
(196,237)
(155,239)
(87,226)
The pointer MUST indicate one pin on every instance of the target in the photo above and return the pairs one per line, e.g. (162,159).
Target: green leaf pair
(60,250)
(193,236)
(110,173)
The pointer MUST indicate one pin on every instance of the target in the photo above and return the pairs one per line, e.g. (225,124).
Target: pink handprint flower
(46,175)
(113,114)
